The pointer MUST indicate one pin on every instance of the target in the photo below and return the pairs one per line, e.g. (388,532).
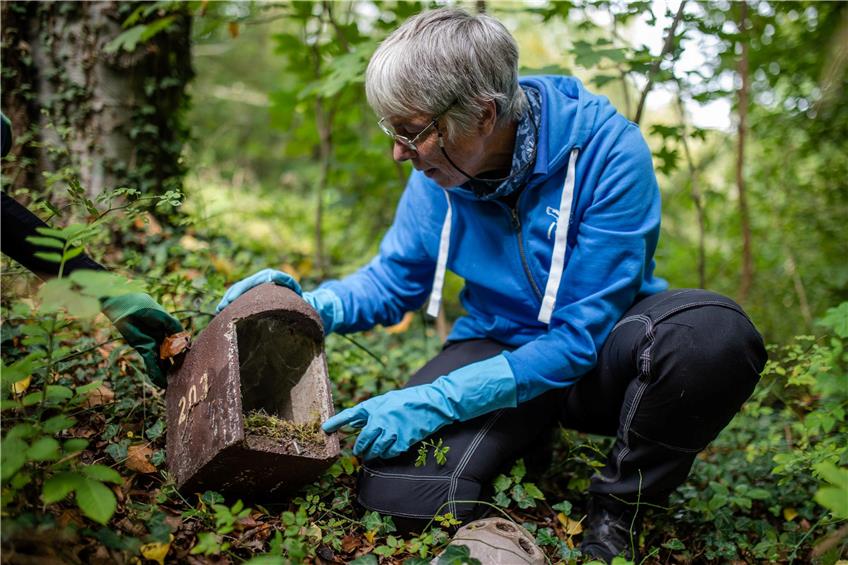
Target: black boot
(612,528)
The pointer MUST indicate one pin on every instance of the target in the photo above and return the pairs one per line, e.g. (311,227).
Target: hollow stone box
(264,352)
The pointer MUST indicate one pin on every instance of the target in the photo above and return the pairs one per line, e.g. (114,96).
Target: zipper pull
(516,222)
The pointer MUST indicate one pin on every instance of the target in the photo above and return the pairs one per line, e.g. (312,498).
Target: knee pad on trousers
(704,364)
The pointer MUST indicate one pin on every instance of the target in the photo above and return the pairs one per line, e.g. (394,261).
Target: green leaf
(71,253)
(73,445)
(56,294)
(96,500)
(518,471)
(12,457)
(49,256)
(369,559)
(82,391)
(502,483)
(44,449)
(46,242)
(58,393)
(564,507)
(103,284)
(20,368)
(102,473)
(837,320)
(156,430)
(502,500)
(834,497)
(674,544)
(456,554)
(58,423)
(534,491)
(208,543)
(59,486)
(51,232)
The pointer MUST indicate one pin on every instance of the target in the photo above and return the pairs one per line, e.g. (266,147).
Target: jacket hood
(570,117)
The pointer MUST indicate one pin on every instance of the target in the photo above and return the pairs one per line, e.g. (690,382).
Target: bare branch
(667,47)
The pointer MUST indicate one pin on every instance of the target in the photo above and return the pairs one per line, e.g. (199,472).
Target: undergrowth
(84,471)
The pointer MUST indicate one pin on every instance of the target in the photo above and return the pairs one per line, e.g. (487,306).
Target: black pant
(669,378)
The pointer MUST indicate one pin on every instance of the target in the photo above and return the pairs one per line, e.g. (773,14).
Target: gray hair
(443,57)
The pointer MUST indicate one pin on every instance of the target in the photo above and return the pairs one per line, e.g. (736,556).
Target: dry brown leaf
(234,29)
(350,543)
(103,394)
(138,459)
(174,344)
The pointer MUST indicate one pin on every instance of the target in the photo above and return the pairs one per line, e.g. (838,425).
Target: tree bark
(697,198)
(747,274)
(112,119)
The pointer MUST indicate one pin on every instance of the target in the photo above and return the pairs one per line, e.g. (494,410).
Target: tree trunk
(111,120)
(747,275)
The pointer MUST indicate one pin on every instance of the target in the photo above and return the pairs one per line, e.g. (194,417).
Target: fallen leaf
(138,459)
(789,514)
(572,527)
(157,551)
(369,536)
(174,344)
(20,386)
(103,394)
(350,543)
(403,325)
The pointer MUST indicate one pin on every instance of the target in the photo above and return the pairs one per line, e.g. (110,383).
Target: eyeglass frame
(411,143)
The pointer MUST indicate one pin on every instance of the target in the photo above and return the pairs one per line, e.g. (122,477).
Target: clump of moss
(305,434)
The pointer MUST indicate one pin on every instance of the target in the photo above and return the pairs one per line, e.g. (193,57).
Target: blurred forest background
(198,142)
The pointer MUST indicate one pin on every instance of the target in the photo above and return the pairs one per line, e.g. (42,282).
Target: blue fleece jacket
(506,256)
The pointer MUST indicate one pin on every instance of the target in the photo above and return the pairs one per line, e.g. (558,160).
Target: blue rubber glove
(262,277)
(326,303)
(393,422)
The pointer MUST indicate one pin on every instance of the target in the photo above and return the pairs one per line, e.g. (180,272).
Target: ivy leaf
(502,483)
(502,500)
(564,507)
(518,471)
(534,491)
(457,554)
(369,559)
(96,500)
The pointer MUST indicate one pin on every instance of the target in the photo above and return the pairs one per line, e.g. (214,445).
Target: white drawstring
(558,257)
(441,263)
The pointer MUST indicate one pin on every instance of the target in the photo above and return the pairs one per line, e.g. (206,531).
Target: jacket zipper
(516,225)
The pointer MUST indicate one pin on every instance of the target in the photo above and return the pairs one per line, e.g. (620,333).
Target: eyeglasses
(405,141)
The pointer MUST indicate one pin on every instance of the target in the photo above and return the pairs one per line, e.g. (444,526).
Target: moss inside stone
(306,434)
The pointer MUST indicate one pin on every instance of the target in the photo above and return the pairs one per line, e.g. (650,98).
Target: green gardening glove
(144,324)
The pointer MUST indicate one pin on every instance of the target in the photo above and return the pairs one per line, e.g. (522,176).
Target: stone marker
(264,353)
